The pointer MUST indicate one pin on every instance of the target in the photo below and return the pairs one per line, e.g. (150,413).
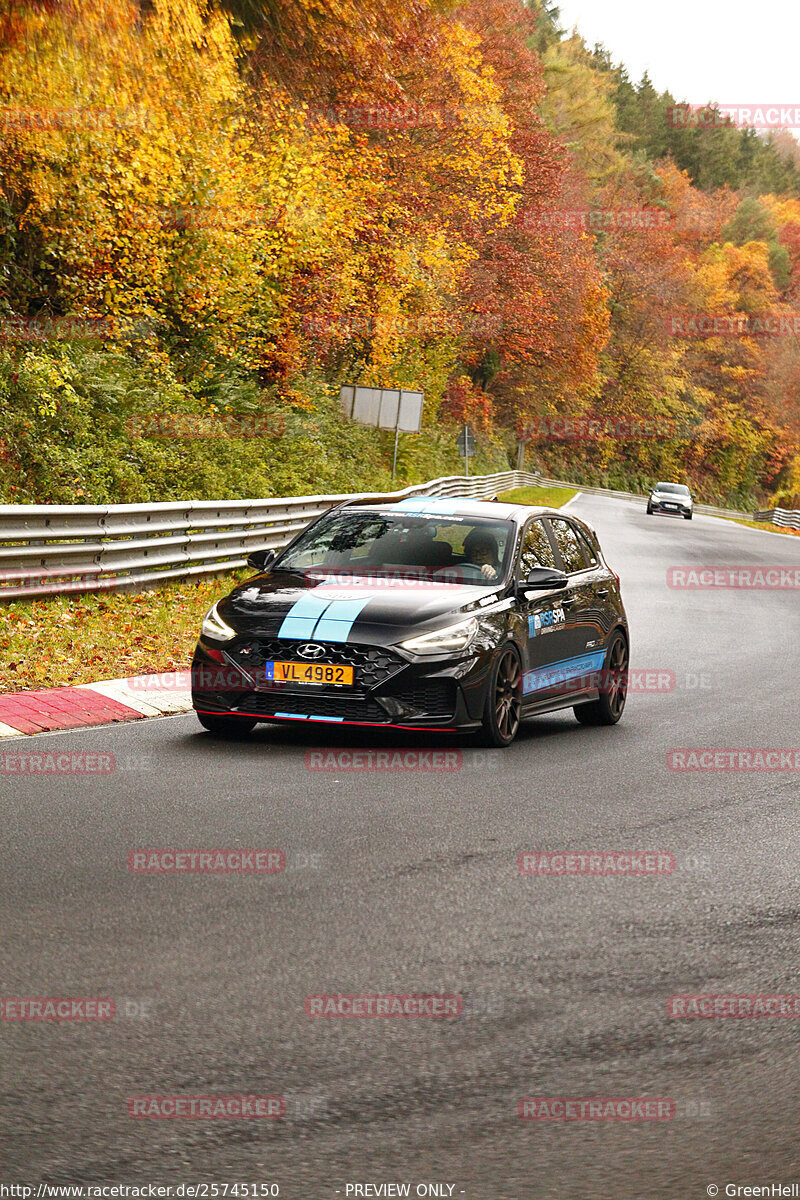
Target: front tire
(687,516)
(226,726)
(608,708)
(503,699)
(649,510)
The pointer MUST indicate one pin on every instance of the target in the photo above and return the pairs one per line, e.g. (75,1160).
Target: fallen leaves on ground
(67,640)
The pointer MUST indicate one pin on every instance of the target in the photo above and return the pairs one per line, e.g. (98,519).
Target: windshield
(440,549)
(679,489)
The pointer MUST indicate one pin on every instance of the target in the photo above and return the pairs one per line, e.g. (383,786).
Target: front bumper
(388,690)
(670,507)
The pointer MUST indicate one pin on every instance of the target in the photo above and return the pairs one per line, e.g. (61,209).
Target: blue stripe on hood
(338,619)
(301,618)
(322,619)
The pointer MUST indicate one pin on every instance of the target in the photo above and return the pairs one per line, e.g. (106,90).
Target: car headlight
(454,637)
(214,627)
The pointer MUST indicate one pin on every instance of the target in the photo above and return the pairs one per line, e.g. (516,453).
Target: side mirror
(543,579)
(261,560)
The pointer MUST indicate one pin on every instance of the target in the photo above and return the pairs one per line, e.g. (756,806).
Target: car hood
(335,608)
(672,496)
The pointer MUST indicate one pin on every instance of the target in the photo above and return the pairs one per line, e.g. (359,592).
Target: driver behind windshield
(480,550)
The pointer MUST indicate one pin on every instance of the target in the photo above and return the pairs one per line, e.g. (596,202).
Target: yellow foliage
(170,196)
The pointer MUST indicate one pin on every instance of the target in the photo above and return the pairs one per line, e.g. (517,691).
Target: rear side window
(536,549)
(586,546)
(567,541)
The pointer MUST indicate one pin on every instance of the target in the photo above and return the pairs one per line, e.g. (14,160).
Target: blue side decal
(559,672)
(337,621)
(553,618)
(301,618)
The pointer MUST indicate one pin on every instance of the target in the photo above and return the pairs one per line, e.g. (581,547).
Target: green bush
(66,436)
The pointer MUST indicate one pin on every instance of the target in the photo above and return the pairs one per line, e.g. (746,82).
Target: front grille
(425,698)
(373,665)
(349,707)
(374,670)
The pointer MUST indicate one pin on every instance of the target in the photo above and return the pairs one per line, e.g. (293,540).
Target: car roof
(456,506)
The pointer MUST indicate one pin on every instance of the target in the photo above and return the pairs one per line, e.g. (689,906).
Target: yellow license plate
(294,672)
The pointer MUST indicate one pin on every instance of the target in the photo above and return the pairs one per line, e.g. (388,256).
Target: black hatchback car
(425,613)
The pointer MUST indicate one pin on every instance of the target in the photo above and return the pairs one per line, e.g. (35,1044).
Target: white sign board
(410,417)
(366,405)
(390,408)
(386,408)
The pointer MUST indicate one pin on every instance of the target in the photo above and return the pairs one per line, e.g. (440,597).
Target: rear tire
(608,708)
(232,727)
(503,699)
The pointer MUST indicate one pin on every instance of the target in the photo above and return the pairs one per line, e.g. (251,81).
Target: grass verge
(767,525)
(67,640)
(543,497)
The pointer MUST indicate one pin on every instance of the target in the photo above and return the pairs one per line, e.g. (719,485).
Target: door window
(588,551)
(567,542)
(536,550)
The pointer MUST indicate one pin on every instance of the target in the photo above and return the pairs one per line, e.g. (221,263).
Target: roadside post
(466,445)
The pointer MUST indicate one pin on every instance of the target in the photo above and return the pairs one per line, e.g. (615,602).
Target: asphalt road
(409,883)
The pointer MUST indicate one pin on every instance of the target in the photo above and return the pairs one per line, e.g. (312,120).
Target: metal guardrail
(54,549)
(706,510)
(787,518)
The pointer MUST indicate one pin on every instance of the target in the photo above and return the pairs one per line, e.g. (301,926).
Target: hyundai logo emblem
(311,650)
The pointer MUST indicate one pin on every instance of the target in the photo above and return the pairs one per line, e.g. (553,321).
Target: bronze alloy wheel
(607,710)
(501,719)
